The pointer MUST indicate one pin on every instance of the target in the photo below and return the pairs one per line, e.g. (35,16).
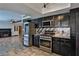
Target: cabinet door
(65,20)
(77,22)
(73,23)
(56,45)
(65,47)
(77,33)
(52,23)
(57,21)
(36,41)
(73,31)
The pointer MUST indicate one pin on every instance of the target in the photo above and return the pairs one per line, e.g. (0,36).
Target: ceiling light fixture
(45,5)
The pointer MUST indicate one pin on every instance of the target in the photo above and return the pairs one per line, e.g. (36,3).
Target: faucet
(62,31)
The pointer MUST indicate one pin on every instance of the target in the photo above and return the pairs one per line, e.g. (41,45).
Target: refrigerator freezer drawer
(26,38)
(26,43)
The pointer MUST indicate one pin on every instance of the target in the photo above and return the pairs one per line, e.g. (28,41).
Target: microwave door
(46,23)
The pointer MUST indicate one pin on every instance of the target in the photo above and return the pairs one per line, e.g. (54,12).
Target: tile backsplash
(64,31)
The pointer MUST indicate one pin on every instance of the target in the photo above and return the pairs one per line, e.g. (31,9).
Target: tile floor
(11,46)
(30,51)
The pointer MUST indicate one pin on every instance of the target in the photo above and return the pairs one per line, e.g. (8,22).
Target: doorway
(20,30)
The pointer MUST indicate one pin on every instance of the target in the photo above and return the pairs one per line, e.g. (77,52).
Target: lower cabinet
(56,45)
(62,46)
(65,47)
(36,41)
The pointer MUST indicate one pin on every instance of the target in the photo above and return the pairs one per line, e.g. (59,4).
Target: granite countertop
(56,36)
(67,37)
(60,35)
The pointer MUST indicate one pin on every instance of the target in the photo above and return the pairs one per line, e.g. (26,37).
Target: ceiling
(50,7)
(20,8)
(36,10)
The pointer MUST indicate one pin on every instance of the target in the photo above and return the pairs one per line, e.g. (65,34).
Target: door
(20,30)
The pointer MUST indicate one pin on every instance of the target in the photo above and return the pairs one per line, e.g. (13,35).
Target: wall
(14,32)
(6,24)
(12,26)
(5,18)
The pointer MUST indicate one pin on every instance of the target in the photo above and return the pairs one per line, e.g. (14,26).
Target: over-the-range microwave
(47,23)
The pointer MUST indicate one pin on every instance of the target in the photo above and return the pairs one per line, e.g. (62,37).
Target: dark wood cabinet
(57,21)
(77,33)
(65,21)
(74,24)
(62,20)
(62,46)
(56,45)
(65,47)
(73,30)
(77,22)
(36,41)
(38,22)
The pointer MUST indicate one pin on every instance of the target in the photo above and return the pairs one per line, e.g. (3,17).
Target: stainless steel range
(46,43)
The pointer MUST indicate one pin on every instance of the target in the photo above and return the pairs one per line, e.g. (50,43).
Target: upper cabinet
(56,21)
(37,22)
(62,20)
(48,21)
(65,20)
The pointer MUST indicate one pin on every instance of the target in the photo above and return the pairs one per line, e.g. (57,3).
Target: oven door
(45,43)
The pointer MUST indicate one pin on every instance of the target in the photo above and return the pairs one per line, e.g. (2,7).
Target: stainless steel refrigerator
(29,31)
(26,34)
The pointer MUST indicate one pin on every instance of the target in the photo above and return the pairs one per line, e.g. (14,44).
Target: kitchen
(53,34)
(57,33)
(50,32)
